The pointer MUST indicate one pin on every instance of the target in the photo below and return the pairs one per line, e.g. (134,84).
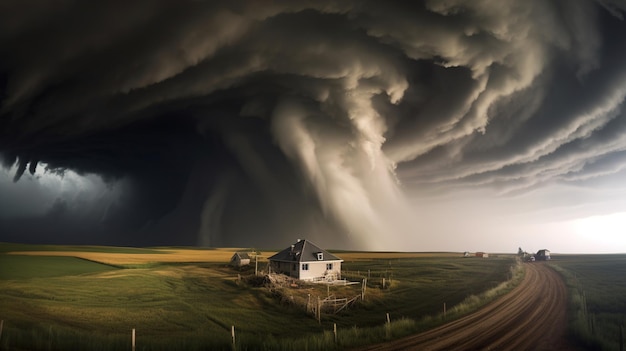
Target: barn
(482,254)
(240,259)
(543,255)
(306,261)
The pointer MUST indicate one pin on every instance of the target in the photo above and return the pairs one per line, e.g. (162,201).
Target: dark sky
(384,125)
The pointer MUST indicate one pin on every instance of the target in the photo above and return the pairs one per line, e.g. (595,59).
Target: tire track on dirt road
(531,317)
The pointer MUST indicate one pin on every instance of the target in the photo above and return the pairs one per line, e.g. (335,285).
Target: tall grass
(474,302)
(597,309)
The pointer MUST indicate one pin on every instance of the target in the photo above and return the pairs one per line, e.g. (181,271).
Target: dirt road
(531,317)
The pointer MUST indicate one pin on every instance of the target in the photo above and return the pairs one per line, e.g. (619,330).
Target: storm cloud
(377,125)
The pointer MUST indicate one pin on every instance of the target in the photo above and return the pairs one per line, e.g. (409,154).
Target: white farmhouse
(306,261)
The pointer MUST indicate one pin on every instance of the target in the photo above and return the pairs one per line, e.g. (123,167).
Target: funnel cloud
(380,125)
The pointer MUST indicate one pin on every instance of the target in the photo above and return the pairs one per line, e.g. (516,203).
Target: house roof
(303,251)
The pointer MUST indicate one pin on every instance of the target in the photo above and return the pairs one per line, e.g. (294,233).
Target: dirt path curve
(531,317)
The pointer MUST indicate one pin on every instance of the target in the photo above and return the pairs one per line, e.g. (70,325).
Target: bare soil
(531,317)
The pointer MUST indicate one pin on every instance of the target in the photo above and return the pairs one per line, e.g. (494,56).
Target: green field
(22,267)
(420,286)
(60,303)
(597,285)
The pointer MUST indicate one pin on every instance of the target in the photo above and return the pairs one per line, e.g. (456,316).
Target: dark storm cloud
(247,122)
(551,127)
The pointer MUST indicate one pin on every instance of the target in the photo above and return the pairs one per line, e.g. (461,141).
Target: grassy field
(23,267)
(421,284)
(59,298)
(597,288)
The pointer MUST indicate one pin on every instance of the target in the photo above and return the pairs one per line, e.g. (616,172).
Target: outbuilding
(240,259)
(306,261)
(543,255)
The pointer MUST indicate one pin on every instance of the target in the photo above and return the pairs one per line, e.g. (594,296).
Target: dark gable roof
(303,251)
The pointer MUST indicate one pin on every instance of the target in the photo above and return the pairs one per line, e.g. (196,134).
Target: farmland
(597,305)
(62,297)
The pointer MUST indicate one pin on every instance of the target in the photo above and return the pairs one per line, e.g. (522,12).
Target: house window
(305,266)
(320,256)
(329,266)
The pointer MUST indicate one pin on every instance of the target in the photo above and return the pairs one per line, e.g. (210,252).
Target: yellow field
(167,255)
(214,255)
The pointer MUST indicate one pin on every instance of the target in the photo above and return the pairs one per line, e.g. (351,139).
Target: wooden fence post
(319,310)
(621,337)
(308,304)
(232,333)
(444,310)
(133,340)
(388,327)
(335,331)
(1,325)
(363,288)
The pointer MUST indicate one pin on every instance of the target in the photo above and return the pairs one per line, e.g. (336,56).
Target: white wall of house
(317,269)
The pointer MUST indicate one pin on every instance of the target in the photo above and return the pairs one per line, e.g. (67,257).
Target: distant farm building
(482,254)
(306,261)
(240,259)
(543,255)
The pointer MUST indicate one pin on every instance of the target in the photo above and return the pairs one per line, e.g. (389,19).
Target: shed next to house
(482,254)
(306,261)
(240,259)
